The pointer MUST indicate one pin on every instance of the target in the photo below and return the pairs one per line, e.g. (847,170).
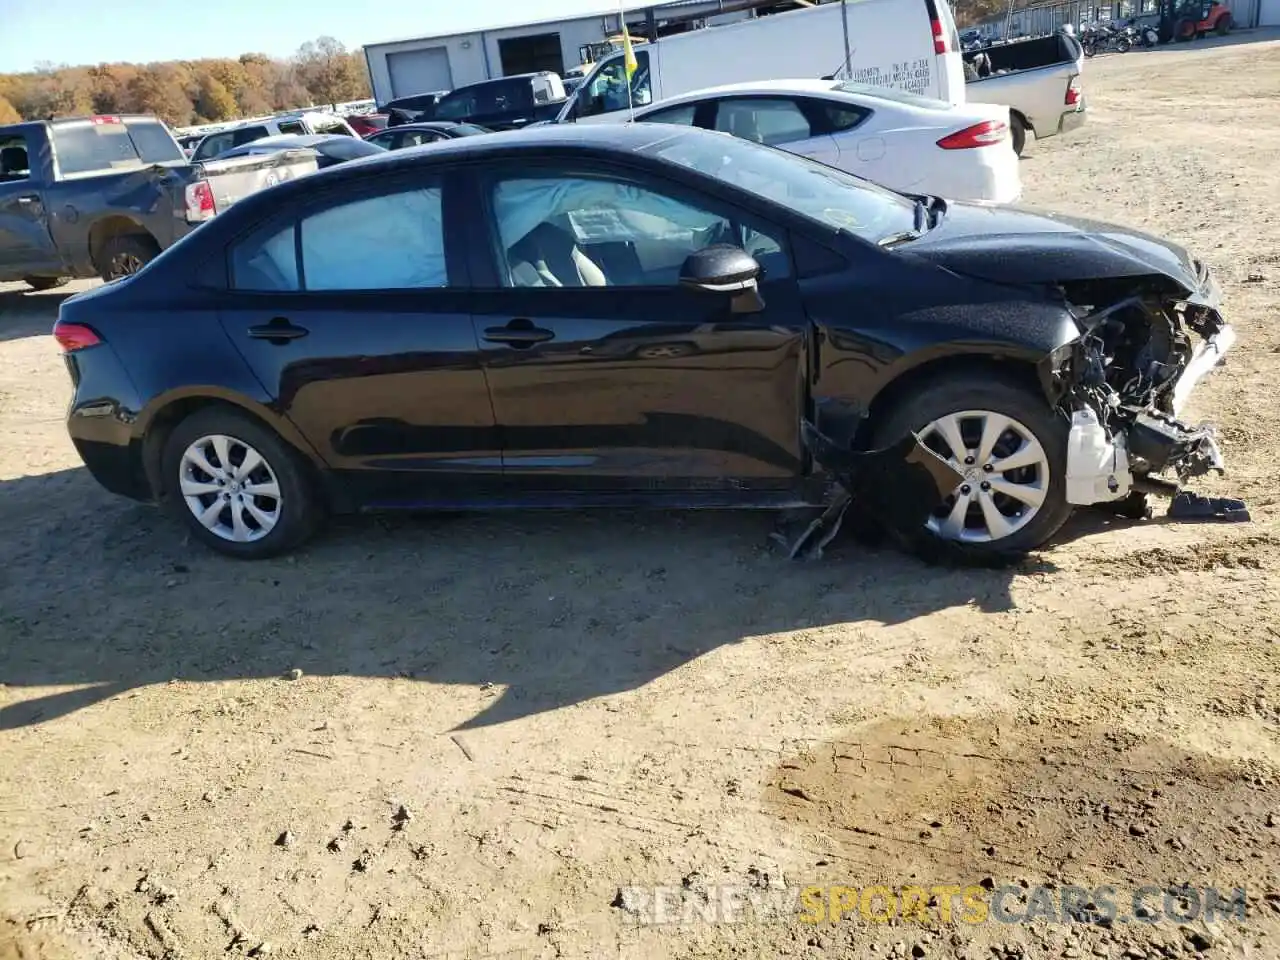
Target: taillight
(939,37)
(200,205)
(985,134)
(1073,91)
(74,336)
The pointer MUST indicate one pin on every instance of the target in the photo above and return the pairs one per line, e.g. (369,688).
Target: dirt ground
(507,730)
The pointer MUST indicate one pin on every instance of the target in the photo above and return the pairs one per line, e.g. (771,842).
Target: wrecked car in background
(640,315)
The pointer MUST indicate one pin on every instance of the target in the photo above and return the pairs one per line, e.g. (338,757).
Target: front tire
(1012,447)
(238,487)
(46,283)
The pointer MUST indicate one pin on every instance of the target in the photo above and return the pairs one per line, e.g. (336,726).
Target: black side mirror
(724,268)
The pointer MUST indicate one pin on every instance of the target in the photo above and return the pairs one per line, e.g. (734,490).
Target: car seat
(742,124)
(549,256)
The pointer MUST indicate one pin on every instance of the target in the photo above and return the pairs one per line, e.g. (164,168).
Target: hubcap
(1005,471)
(230,488)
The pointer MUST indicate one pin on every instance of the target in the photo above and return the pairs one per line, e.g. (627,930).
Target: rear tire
(1031,418)
(1124,45)
(46,283)
(268,510)
(125,255)
(1224,26)
(1185,31)
(1090,48)
(1018,133)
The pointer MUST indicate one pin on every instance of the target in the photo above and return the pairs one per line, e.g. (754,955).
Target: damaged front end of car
(1145,344)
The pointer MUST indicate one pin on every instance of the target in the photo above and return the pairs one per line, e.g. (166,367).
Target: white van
(910,45)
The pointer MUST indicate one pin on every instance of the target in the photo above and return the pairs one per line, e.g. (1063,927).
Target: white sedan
(905,142)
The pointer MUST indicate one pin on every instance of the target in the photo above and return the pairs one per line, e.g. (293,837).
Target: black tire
(970,390)
(1185,31)
(1018,132)
(126,254)
(1090,48)
(300,511)
(46,283)
(1224,26)
(1123,45)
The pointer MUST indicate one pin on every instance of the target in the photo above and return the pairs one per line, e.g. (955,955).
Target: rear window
(99,147)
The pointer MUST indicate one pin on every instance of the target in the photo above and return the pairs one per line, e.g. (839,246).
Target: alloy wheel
(1005,470)
(230,488)
(125,265)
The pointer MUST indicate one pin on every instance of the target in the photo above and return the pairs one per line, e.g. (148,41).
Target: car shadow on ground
(27,314)
(106,596)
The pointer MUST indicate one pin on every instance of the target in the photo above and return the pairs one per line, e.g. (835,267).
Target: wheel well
(107,229)
(167,419)
(891,394)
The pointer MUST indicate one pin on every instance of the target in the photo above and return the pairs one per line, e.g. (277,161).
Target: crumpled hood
(1010,245)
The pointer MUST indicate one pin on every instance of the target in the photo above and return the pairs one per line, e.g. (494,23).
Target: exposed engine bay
(1146,343)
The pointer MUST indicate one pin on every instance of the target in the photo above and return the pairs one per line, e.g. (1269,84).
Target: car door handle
(518,334)
(278,330)
(28,199)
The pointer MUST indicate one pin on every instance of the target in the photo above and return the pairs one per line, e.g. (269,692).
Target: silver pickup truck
(1039,80)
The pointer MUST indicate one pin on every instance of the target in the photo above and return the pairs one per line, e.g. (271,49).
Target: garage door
(1269,15)
(419,71)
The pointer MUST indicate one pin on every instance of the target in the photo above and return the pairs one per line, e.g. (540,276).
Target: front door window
(587,231)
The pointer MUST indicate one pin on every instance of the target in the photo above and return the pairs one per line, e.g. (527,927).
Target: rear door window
(683,116)
(394,241)
(764,120)
(15,159)
(292,126)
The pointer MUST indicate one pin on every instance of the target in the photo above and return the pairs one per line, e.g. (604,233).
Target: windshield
(891,93)
(816,191)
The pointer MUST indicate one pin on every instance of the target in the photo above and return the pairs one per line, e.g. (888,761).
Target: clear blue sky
(96,31)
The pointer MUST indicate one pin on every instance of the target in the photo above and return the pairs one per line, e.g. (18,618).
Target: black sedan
(330,148)
(639,315)
(416,134)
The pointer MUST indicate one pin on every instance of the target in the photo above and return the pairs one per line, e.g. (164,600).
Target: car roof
(754,86)
(599,140)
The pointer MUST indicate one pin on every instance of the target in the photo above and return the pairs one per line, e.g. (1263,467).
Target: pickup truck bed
(1038,80)
(103,196)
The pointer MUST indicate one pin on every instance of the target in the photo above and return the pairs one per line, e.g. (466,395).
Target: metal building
(400,68)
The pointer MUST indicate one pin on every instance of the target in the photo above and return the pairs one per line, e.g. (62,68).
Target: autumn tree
(254,84)
(161,89)
(213,100)
(8,112)
(327,71)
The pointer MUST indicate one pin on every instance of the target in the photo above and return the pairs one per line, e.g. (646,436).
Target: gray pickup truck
(1039,80)
(102,196)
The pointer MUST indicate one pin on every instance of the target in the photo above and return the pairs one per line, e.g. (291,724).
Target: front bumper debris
(1209,354)
(1132,375)
(899,485)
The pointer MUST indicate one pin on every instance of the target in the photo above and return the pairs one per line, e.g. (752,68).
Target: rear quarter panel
(150,197)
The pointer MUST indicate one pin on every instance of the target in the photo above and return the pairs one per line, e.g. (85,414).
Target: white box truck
(910,45)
